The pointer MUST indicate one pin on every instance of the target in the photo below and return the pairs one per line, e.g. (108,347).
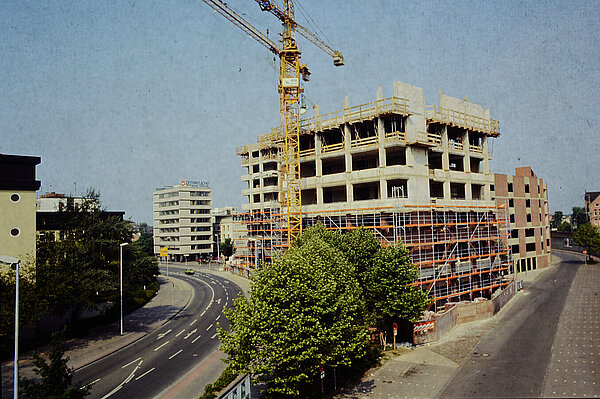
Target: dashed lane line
(147,372)
(213,337)
(161,335)
(179,333)
(175,354)
(209,327)
(192,323)
(196,339)
(161,346)
(131,362)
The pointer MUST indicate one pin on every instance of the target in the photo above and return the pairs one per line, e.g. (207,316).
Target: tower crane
(290,89)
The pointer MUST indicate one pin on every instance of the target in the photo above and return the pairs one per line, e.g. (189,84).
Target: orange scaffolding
(460,251)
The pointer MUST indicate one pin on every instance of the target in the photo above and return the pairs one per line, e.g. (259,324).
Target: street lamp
(121,280)
(15,263)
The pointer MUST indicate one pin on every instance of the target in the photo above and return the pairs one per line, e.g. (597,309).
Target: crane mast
(290,89)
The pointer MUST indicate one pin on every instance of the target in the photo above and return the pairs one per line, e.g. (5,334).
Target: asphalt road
(512,360)
(150,365)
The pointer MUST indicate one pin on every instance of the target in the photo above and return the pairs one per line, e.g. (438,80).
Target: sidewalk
(172,297)
(424,371)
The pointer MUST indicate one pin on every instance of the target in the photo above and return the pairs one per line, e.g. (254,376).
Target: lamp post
(121,281)
(15,263)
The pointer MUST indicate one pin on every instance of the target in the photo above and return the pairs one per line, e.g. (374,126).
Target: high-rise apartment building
(182,221)
(526,197)
(592,207)
(411,173)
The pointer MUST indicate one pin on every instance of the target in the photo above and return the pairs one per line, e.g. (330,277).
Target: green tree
(588,237)
(556,219)
(579,216)
(226,248)
(565,227)
(56,378)
(86,260)
(305,310)
(146,241)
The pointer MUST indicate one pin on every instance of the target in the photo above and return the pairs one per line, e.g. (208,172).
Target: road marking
(192,323)
(161,346)
(190,333)
(152,369)
(219,301)
(213,337)
(180,332)
(92,383)
(131,362)
(218,318)
(163,334)
(175,354)
(129,377)
(196,339)
(202,314)
(209,327)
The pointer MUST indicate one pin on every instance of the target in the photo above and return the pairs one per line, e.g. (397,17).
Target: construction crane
(290,88)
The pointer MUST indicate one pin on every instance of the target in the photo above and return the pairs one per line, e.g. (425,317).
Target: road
(546,345)
(152,364)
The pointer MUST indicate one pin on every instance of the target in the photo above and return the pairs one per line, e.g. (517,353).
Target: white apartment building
(182,221)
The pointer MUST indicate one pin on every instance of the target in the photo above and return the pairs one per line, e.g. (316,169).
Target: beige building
(410,172)
(18,188)
(182,221)
(592,207)
(526,196)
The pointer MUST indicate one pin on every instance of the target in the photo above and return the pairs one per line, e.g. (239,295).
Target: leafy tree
(56,376)
(305,310)
(565,226)
(146,241)
(226,248)
(588,237)
(313,305)
(556,219)
(579,216)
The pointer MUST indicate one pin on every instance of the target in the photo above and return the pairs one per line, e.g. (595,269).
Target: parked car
(189,271)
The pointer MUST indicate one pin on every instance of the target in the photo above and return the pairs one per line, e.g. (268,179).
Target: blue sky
(132,95)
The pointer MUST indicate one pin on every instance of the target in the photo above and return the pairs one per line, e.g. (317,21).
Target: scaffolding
(460,251)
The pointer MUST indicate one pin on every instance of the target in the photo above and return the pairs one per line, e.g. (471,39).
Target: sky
(128,96)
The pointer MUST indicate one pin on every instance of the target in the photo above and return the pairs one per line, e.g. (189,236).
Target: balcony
(476,148)
(393,136)
(366,142)
(427,139)
(332,148)
(463,120)
(455,146)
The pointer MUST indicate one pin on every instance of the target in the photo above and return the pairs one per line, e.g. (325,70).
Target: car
(189,271)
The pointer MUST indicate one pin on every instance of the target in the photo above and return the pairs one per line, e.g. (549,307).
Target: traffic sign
(395,329)
(163,251)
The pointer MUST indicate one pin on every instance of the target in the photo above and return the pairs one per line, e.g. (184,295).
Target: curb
(116,349)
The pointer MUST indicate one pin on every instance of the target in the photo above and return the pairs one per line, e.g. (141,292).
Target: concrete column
(348,161)
(382,157)
(446,162)
(486,156)
(466,149)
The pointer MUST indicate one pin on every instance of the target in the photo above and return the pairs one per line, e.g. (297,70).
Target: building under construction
(411,173)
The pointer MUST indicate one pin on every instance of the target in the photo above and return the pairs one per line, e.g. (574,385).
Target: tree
(579,216)
(146,242)
(56,377)
(565,226)
(313,305)
(588,237)
(556,219)
(226,248)
(305,310)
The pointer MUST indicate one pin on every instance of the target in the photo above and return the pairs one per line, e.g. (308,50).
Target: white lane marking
(209,327)
(163,334)
(129,377)
(152,369)
(92,383)
(196,339)
(219,301)
(192,323)
(179,333)
(218,318)
(175,354)
(202,314)
(213,337)
(190,333)
(161,346)
(131,362)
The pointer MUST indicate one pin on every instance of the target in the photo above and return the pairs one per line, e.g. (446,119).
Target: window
(528,203)
(512,218)
(255,154)
(529,217)
(511,203)
(515,249)
(510,187)
(492,187)
(15,197)
(530,247)
(15,232)
(527,188)
(514,233)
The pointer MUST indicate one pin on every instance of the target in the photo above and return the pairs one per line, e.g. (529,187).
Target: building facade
(412,173)
(182,221)
(526,196)
(592,207)
(222,225)
(18,188)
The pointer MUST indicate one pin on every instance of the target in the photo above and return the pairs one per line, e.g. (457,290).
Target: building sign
(193,183)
